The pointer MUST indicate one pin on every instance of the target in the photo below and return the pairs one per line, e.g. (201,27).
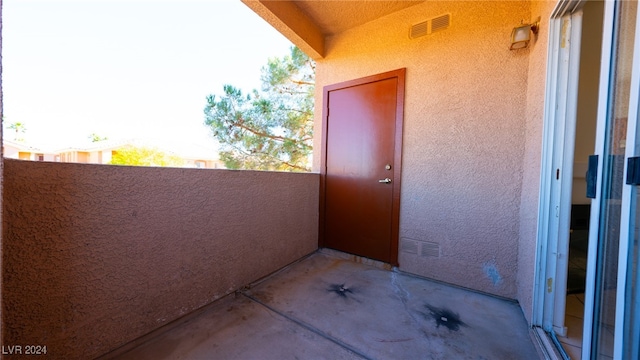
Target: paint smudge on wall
(492,272)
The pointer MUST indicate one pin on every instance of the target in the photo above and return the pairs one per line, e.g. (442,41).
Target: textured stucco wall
(464,134)
(532,157)
(96,256)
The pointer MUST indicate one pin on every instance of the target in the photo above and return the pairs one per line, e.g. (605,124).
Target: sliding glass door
(627,343)
(629,300)
(611,314)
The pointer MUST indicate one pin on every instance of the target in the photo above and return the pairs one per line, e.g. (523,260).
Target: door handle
(385,181)
(592,176)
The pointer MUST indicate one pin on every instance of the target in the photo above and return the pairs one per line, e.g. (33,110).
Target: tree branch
(298,111)
(301,82)
(264,134)
(257,156)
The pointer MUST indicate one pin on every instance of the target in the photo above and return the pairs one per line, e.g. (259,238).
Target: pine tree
(270,129)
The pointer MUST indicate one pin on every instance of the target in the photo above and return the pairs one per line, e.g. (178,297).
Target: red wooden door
(361,177)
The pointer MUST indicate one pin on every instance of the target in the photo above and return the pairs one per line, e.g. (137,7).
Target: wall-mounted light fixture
(521,35)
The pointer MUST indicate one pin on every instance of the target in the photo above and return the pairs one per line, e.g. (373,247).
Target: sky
(126,69)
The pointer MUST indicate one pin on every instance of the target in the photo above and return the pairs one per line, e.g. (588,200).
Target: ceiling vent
(429,26)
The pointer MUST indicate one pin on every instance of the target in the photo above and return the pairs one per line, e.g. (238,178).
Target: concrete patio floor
(329,307)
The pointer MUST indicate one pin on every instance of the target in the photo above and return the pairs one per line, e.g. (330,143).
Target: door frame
(550,207)
(399,74)
(556,173)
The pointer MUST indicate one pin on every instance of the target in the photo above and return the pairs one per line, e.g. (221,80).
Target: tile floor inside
(329,307)
(573,320)
(574,311)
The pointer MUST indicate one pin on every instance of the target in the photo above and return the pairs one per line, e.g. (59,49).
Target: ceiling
(336,16)
(307,23)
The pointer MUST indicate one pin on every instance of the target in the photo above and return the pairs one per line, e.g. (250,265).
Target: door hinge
(633,170)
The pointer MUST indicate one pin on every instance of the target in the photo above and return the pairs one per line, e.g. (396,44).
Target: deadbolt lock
(387,167)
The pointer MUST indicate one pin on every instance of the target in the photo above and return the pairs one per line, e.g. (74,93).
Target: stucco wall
(96,256)
(464,134)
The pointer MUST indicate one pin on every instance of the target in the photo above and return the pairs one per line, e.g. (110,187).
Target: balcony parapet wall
(96,256)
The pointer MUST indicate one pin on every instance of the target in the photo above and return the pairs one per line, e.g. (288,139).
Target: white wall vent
(420,29)
(430,249)
(430,25)
(409,246)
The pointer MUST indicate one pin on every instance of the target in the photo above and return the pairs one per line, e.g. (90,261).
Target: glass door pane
(631,327)
(612,182)
(630,317)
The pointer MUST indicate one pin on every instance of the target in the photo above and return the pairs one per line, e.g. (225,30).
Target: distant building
(20,150)
(101,152)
